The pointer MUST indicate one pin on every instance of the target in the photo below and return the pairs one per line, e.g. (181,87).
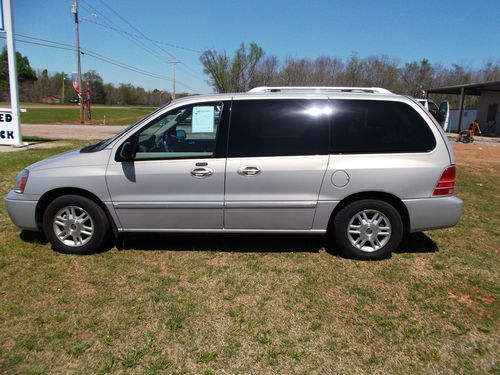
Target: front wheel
(368,229)
(75,225)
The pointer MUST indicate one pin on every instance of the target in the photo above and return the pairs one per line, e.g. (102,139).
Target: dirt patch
(476,154)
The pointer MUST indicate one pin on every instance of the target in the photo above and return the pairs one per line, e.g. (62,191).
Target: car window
(372,126)
(280,127)
(433,108)
(185,132)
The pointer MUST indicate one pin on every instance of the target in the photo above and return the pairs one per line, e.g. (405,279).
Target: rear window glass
(371,126)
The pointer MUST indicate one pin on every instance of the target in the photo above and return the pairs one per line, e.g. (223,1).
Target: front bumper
(21,211)
(433,213)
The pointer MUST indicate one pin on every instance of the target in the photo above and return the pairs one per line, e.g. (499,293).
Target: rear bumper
(433,213)
(21,212)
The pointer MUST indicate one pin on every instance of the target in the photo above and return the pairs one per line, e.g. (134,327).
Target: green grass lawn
(255,304)
(71,114)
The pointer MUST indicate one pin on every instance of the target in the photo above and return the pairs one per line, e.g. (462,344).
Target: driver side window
(184,132)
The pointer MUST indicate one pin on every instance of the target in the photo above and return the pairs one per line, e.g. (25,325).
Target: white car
(441,113)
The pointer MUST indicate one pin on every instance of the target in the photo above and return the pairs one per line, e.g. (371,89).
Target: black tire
(98,220)
(348,216)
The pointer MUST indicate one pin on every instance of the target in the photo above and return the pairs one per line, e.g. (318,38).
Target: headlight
(21,180)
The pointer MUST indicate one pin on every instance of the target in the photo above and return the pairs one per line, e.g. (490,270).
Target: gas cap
(340,179)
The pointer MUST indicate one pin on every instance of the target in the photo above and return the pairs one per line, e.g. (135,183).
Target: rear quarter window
(372,126)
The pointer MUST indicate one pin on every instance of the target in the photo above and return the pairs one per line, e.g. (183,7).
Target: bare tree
(232,75)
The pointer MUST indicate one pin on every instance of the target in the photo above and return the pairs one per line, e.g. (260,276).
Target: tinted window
(185,132)
(278,128)
(369,126)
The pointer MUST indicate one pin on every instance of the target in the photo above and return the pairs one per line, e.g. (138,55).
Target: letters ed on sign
(9,134)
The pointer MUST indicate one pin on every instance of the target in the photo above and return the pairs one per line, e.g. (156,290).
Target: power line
(122,32)
(146,37)
(92,54)
(112,25)
(98,57)
(119,30)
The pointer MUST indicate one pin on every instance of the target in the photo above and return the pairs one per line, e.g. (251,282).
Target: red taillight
(446,184)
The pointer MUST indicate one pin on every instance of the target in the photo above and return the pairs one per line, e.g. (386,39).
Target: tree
(25,74)
(232,74)
(97,92)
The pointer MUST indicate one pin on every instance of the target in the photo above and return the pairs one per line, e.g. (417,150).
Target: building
(51,99)
(488,111)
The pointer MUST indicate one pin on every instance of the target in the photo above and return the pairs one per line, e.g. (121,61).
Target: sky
(446,32)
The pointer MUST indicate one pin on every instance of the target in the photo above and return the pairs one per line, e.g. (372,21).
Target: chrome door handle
(202,172)
(248,171)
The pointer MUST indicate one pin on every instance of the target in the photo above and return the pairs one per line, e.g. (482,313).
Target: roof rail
(313,89)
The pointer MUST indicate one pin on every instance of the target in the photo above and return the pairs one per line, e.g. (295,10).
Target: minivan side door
(277,158)
(176,179)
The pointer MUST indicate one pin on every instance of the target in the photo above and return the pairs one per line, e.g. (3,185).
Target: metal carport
(476,89)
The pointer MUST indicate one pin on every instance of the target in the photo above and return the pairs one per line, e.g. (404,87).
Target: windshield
(106,142)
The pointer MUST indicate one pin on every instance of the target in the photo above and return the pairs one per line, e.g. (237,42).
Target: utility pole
(173,62)
(74,10)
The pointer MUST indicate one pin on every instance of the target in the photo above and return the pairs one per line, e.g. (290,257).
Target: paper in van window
(203,119)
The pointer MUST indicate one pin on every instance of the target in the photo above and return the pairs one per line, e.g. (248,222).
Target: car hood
(73,158)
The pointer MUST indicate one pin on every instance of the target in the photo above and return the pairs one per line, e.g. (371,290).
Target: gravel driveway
(70,131)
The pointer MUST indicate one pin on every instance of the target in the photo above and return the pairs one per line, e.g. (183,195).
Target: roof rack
(313,89)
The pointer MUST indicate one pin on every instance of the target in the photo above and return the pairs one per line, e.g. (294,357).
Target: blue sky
(446,32)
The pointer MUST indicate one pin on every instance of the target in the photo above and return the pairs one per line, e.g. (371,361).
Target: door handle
(202,172)
(248,171)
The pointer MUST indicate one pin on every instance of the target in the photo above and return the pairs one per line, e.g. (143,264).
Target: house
(51,99)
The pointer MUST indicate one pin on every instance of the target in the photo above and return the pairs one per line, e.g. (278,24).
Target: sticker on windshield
(203,119)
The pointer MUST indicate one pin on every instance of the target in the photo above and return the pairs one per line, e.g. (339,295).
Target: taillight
(446,184)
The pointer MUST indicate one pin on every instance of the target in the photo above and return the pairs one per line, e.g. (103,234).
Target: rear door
(277,158)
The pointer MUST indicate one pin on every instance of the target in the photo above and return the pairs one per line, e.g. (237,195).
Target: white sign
(9,133)
(203,119)
(10,127)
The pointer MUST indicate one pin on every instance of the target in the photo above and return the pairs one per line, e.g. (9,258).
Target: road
(70,131)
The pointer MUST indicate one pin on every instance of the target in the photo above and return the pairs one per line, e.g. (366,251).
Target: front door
(277,158)
(176,180)
(444,114)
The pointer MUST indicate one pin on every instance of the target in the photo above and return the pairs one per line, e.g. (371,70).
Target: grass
(71,114)
(255,304)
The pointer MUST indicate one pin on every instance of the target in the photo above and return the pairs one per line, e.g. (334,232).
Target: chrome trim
(196,205)
(286,204)
(201,172)
(285,231)
(248,171)
(167,205)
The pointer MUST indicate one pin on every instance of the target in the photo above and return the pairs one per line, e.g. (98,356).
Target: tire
(75,225)
(368,229)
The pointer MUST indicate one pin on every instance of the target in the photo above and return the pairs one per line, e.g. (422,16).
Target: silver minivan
(362,165)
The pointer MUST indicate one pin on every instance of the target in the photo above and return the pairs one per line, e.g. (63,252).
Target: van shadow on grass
(222,242)
(412,243)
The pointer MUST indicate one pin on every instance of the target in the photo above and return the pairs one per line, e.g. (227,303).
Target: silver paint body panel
(290,194)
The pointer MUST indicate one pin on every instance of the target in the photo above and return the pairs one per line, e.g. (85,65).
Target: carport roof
(469,89)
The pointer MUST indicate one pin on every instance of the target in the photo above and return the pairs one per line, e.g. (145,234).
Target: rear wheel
(75,225)
(368,229)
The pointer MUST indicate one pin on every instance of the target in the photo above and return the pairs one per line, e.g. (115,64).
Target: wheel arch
(50,195)
(393,200)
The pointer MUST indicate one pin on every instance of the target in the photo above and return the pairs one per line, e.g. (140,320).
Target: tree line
(35,86)
(250,67)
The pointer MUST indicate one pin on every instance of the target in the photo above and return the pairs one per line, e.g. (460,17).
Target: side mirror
(127,151)
(180,135)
